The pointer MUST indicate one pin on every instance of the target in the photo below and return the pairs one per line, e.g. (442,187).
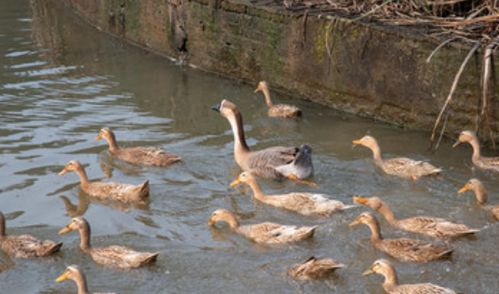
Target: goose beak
(65,230)
(216,107)
(356,142)
(456,144)
(63,277)
(359,200)
(465,188)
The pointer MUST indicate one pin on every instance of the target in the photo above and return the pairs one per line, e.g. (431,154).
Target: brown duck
(277,110)
(264,233)
(74,273)
(427,225)
(262,163)
(137,155)
(314,269)
(108,190)
(401,166)
(113,256)
(384,267)
(489,163)
(304,203)
(25,246)
(478,188)
(403,249)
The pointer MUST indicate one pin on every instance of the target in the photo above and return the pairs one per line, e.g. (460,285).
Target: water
(61,81)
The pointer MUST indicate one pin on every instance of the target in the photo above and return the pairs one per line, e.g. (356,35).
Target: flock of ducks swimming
(277,163)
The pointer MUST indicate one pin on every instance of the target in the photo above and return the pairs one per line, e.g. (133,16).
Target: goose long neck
(391,280)
(375,231)
(113,144)
(476,148)
(236,123)
(83,175)
(81,283)
(387,213)
(257,192)
(85,237)
(2,225)
(266,94)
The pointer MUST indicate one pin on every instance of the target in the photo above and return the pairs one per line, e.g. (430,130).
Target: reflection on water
(61,81)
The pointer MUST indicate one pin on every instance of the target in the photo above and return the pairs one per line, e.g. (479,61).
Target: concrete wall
(364,69)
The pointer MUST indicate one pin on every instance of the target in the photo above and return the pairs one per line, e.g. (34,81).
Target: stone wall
(369,70)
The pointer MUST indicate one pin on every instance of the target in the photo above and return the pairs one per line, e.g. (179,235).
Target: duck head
(464,137)
(73,165)
(373,202)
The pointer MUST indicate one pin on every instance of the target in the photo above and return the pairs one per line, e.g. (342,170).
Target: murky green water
(61,81)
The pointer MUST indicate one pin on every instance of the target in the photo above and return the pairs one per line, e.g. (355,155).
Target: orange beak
(360,200)
(465,188)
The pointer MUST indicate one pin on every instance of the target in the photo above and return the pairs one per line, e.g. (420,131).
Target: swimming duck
(113,256)
(384,267)
(25,246)
(278,110)
(73,272)
(301,202)
(314,269)
(490,163)
(431,226)
(137,155)
(262,163)
(401,166)
(115,191)
(264,233)
(403,249)
(477,187)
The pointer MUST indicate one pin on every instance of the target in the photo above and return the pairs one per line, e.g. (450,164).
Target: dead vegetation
(475,22)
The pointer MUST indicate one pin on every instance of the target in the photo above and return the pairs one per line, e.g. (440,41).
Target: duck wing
(272,233)
(435,227)
(284,110)
(425,288)
(147,156)
(118,191)
(121,257)
(27,246)
(314,268)
(409,168)
(411,250)
(306,203)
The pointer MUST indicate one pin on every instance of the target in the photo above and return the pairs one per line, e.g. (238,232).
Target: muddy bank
(358,68)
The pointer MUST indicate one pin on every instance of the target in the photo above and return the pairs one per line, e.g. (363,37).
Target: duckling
(73,272)
(263,233)
(478,188)
(401,166)
(301,202)
(25,246)
(115,191)
(149,156)
(113,256)
(262,163)
(384,267)
(431,226)
(489,163)
(403,249)
(314,269)
(278,110)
